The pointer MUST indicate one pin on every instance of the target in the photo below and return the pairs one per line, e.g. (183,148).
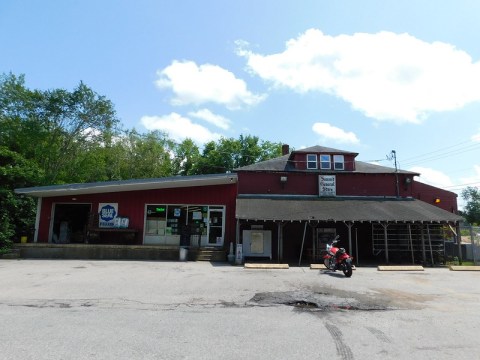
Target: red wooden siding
(348,184)
(427,193)
(131,204)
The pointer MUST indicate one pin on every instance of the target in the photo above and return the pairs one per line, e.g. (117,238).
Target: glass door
(216,226)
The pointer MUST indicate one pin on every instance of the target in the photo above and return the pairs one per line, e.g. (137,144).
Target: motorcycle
(337,258)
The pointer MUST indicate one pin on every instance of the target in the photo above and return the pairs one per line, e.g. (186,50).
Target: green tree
(186,157)
(472,210)
(137,156)
(17,212)
(229,154)
(56,128)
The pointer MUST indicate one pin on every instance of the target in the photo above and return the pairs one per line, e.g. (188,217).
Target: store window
(171,224)
(338,162)
(311,161)
(325,162)
(156,220)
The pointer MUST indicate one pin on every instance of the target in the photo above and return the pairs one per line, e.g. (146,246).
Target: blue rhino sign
(107,213)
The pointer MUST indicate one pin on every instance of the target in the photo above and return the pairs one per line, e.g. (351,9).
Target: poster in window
(107,213)
(256,243)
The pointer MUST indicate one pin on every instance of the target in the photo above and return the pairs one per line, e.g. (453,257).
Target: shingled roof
(341,209)
(324,150)
(282,164)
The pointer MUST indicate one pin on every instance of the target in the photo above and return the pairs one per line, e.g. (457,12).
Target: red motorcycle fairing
(338,259)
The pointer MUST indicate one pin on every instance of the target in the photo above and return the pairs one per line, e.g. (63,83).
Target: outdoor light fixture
(283,179)
(408,182)
(436,200)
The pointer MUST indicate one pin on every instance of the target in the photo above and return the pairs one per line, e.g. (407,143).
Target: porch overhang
(365,209)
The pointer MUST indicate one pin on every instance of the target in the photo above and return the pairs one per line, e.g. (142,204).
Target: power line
(443,153)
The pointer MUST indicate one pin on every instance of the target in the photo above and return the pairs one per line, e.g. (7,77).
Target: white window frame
(338,162)
(310,161)
(322,162)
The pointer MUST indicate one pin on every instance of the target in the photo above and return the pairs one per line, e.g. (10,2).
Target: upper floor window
(325,162)
(311,161)
(338,162)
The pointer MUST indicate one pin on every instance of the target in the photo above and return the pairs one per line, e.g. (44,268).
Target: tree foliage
(57,136)
(472,210)
(16,211)
(229,154)
(56,128)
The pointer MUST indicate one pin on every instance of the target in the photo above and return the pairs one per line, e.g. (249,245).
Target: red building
(284,209)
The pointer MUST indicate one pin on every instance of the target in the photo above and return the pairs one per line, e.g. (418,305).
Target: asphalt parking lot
(73,309)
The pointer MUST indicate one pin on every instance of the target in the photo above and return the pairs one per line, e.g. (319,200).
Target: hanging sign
(327,185)
(107,213)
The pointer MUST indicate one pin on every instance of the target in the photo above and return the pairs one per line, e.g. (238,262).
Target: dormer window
(325,162)
(338,162)
(311,161)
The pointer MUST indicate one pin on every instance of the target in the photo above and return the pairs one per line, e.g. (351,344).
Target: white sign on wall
(327,185)
(107,213)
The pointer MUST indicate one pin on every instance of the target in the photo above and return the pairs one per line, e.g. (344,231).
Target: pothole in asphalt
(312,301)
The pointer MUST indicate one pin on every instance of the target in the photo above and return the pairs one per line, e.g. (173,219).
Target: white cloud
(207,115)
(179,128)
(387,76)
(432,177)
(472,180)
(197,85)
(328,131)
(476,137)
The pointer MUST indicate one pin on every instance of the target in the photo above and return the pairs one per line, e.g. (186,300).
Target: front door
(69,223)
(216,226)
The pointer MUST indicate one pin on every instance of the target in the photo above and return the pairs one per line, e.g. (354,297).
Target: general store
(280,210)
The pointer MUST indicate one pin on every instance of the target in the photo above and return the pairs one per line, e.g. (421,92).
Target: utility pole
(393,156)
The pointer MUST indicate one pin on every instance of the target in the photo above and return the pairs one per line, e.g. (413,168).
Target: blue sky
(365,76)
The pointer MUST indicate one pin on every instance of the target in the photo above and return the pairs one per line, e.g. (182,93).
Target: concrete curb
(265,266)
(401,268)
(463,268)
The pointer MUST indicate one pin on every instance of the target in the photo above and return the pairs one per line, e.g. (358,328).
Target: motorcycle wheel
(347,268)
(326,262)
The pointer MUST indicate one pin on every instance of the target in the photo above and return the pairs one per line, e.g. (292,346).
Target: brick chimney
(285,149)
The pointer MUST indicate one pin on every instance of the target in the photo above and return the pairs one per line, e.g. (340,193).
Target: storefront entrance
(69,223)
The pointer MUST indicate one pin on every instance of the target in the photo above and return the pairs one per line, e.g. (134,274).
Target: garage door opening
(70,223)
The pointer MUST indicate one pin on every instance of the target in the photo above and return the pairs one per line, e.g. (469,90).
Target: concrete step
(209,255)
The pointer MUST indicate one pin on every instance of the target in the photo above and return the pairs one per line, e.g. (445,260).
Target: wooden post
(411,241)
(430,244)
(303,241)
(349,225)
(280,226)
(424,254)
(386,241)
